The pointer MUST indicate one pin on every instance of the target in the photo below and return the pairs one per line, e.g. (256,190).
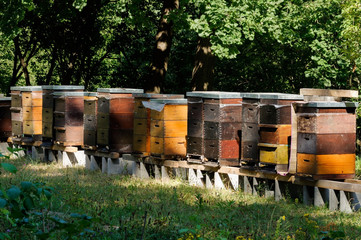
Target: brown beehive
(115,119)
(48,107)
(214,126)
(90,119)
(326,139)
(68,118)
(5,118)
(168,127)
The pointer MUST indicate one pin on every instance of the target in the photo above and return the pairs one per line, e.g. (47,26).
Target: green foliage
(25,211)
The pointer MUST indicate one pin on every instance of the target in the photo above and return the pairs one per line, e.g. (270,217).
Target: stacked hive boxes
(32,104)
(326,139)
(16,112)
(90,120)
(275,129)
(115,119)
(168,127)
(141,140)
(5,118)
(215,124)
(68,118)
(251,112)
(48,108)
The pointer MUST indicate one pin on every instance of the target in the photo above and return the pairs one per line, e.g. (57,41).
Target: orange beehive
(326,139)
(141,137)
(168,127)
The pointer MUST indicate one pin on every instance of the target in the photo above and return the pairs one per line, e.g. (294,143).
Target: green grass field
(130,208)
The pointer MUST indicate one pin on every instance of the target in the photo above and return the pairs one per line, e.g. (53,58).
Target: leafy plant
(25,210)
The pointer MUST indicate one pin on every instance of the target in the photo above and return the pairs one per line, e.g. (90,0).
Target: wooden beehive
(115,119)
(168,127)
(68,118)
(5,118)
(27,111)
(326,139)
(48,107)
(141,137)
(16,112)
(90,119)
(214,126)
(272,109)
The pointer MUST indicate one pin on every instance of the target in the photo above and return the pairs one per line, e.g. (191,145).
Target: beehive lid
(5,98)
(90,94)
(63,87)
(158,104)
(69,94)
(214,94)
(277,96)
(176,101)
(120,90)
(155,95)
(328,105)
(26,88)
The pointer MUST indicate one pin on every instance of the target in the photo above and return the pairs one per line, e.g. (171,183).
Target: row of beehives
(231,129)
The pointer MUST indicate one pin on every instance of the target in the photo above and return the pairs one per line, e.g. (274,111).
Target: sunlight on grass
(127,206)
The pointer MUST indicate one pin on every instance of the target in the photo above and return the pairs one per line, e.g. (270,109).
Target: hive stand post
(51,156)
(4,148)
(36,153)
(66,161)
(164,171)
(46,155)
(318,198)
(247,188)
(277,192)
(60,157)
(344,203)
(209,183)
(143,173)
(192,177)
(254,186)
(234,179)
(218,183)
(199,178)
(93,163)
(87,161)
(307,197)
(332,200)
(104,165)
(114,166)
(355,201)
(79,158)
(157,174)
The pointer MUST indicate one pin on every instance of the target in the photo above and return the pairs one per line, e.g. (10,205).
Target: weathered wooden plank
(329,92)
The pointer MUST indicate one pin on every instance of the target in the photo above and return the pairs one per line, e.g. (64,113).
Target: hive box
(214,126)
(48,107)
(68,118)
(90,119)
(273,109)
(326,139)
(142,120)
(5,118)
(115,119)
(168,128)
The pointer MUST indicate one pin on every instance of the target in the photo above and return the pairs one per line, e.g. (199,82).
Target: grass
(130,208)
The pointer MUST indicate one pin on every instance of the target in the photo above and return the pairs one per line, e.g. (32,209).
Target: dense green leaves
(265,45)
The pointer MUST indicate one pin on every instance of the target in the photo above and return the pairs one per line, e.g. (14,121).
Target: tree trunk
(162,49)
(51,69)
(203,71)
(24,65)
